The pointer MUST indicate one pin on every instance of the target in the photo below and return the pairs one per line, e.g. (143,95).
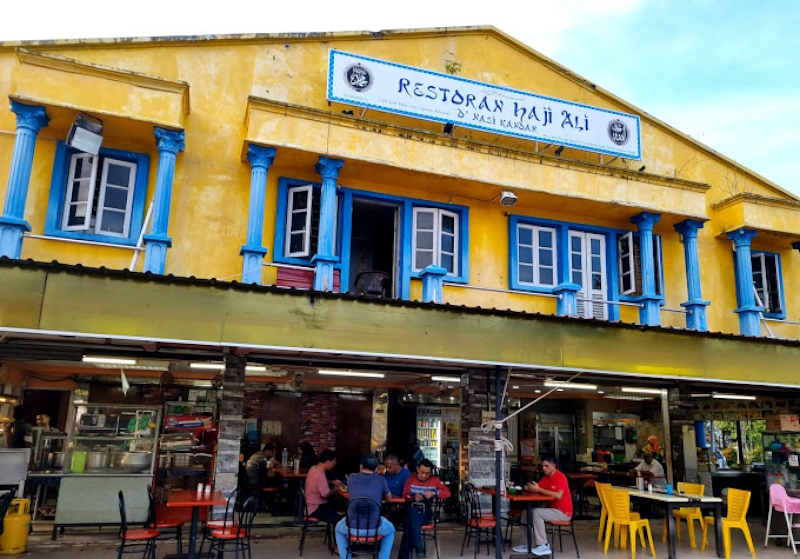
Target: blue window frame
(767,283)
(605,262)
(97,198)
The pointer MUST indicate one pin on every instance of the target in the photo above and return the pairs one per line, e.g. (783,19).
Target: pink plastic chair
(789,506)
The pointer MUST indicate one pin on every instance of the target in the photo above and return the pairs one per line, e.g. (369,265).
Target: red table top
(289,472)
(525,496)
(393,500)
(189,498)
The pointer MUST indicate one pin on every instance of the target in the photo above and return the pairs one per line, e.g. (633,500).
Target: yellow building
(442,200)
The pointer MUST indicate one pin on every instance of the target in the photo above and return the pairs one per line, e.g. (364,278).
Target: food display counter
(108,448)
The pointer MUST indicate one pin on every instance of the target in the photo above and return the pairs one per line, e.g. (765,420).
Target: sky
(726,72)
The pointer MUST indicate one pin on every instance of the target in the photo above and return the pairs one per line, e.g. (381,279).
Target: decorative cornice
(138,79)
(475,146)
(758,199)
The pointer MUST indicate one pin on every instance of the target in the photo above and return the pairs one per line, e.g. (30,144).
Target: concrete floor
(275,542)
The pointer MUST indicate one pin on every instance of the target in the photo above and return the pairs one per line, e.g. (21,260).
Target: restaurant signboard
(387,86)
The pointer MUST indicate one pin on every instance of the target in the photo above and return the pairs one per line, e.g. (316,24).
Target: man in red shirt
(553,484)
(420,490)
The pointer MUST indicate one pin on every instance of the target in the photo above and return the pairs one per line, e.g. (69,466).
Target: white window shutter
(424,240)
(625,255)
(79,198)
(116,198)
(298,221)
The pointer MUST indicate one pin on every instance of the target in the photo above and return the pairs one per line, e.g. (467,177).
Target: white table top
(657,495)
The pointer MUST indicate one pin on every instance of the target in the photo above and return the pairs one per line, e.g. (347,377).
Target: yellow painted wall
(208,221)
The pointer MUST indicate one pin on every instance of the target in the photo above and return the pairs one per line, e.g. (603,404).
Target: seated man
(396,476)
(553,484)
(264,459)
(366,484)
(652,469)
(420,490)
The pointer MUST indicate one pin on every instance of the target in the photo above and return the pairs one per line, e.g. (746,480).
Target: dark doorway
(373,249)
(401,427)
(353,431)
(52,402)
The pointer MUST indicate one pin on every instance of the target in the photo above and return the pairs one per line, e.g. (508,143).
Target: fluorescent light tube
(108,360)
(732,397)
(350,374)
(573,385)
(255,369)
(207,366)
(634,390)
(445,379)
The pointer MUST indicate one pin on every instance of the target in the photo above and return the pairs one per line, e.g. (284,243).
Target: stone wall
(231,424)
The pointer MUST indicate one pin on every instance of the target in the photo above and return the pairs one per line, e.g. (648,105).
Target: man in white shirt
(652,470)
(264,459)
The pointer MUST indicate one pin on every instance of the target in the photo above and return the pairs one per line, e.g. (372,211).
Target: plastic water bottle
(285,458)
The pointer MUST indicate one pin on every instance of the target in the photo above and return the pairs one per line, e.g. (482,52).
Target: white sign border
(625,155)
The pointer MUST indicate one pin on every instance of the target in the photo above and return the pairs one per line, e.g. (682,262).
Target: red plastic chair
(138,540)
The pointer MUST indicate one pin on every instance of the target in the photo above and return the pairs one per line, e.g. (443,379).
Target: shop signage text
(377,84)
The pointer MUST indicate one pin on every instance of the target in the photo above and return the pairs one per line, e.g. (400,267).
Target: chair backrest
(738,503)
(123,517)
(697,489)
(619,504)
(777,494)
(363,518)
(303,503)
(602,492)
(151,509)
(474,502)
(247,514)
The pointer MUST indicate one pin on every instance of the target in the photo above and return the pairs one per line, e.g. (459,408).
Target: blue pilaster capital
(170,141)
(328,168)
(260,156)
(645,220)
(324,258)
(566,287)
(695,303)
(151,238)
(10,221)
(688,228)
(253,249)
(433,271)
(32,117)
(742,237)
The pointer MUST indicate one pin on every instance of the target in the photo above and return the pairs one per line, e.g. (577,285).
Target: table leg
(671,530)
(529,506)
(193,531)
(718,528)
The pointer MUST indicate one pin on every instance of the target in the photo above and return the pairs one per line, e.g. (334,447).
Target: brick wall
(318,419)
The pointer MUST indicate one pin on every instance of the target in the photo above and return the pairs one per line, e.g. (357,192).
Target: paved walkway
(279,543)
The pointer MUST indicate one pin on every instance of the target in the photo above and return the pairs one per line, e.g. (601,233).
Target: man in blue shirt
(396,475)
(367,484)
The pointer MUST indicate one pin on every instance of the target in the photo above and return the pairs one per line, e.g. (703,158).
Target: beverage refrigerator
(429,433)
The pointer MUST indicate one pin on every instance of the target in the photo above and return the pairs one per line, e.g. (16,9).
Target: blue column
(432,283)
(567,298)
(260,159)
(30,119)
(650,311)
(695,306)
(169,142)
(749,320)
(324,260)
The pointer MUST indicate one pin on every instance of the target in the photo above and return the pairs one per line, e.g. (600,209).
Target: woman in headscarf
(308,457)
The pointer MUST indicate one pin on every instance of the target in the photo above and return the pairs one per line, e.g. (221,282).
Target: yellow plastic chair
(619,507)
(689,514)
(738,503)
(607,519)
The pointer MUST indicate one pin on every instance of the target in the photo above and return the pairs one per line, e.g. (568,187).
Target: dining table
(677,500)
(196,500)
(527,497)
